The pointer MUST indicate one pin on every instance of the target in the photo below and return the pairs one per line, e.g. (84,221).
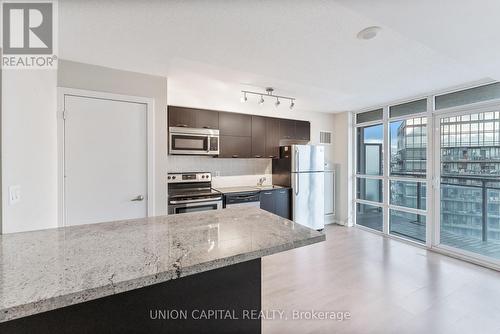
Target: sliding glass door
(469,183)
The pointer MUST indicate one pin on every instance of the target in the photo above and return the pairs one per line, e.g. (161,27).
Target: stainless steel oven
(191,141)
(194,205)
(192,192)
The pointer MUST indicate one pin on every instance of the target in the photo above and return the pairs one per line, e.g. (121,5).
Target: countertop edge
(45,305)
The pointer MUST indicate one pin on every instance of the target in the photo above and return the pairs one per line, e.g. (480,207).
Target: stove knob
(208,176)
(173,177)
(203,176)
(169,177)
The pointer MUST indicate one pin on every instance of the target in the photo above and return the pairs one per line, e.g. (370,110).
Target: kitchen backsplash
(219,167)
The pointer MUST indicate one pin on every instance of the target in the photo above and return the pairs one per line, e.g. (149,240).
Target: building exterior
(470,173)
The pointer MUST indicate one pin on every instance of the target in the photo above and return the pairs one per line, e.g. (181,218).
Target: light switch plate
(14,194)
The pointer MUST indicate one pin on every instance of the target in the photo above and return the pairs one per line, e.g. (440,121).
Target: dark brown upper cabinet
(242,135)
(182,117)
(302,130)
(232,124)
(272,138)
(287,129)
(193,118)
(235,147)
(258,137)
(207,119)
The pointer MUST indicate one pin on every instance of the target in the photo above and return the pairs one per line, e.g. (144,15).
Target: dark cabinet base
(276,201)
(224,295)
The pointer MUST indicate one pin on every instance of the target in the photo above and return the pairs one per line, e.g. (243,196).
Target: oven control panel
(189,177)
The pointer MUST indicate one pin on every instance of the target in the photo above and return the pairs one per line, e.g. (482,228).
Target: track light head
(244,97)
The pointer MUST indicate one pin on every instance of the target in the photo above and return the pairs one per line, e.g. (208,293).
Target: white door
(105,160)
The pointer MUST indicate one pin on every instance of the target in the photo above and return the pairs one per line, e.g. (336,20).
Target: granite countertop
(48,269)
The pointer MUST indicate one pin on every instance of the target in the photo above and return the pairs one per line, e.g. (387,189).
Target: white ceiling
(209,50)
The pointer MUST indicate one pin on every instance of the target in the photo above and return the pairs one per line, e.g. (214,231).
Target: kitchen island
(197,272)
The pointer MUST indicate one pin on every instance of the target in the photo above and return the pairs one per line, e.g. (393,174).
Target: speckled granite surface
(49,269)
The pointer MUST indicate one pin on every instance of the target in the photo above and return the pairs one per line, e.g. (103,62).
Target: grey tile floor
(387,286)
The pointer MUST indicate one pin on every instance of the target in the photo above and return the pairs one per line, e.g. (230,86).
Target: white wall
(29,135)
(342,158)
(29,148)
(104,79)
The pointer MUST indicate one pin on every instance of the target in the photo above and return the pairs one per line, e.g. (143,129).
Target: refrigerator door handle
(297,189)
(297,159)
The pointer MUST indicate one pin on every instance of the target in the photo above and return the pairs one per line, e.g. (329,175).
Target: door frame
(62,92)
(461,254)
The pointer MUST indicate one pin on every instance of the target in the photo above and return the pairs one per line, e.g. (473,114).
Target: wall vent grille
(325,137)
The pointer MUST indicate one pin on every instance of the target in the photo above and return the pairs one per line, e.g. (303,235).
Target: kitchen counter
(241,189)
(51,269)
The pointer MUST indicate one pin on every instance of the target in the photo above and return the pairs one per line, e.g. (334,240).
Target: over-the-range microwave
(192,141)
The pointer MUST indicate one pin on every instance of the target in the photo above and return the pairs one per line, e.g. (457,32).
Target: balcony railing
(482,190)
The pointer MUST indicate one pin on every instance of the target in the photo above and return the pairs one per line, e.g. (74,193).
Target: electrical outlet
(14,194)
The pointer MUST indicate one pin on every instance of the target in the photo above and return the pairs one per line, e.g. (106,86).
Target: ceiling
(210,50)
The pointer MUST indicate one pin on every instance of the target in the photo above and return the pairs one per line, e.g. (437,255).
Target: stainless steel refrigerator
(302,168)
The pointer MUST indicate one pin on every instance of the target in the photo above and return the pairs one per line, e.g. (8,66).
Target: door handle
(297,188)
(139,198)
(297,159)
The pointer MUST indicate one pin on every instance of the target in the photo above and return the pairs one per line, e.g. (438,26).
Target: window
(374,115)
(370,189)
(369,182)
(406,163)
(468,96)
(408,194)
(370,216)
(409,108)
(470,168)
(408,225)
(409,147)
(370,150)
(395,150)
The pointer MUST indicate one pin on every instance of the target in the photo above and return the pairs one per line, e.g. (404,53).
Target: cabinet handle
(235,155)
(272,156)
(258,156)
(268,193)
(182,125)
(207,127)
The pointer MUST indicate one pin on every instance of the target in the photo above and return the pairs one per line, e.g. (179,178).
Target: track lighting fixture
(269,92)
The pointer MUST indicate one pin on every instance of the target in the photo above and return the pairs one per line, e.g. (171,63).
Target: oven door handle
(197,200)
